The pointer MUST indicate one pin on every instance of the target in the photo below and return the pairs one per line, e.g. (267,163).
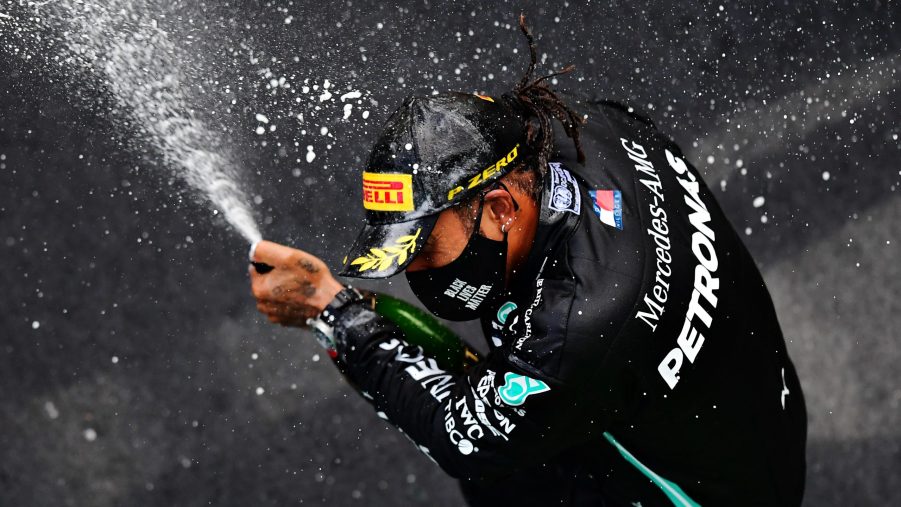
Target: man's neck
(521,237)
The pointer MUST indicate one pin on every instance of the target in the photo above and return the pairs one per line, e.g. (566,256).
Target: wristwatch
(324,323)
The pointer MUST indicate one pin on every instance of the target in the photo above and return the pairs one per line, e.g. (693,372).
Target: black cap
(433,153)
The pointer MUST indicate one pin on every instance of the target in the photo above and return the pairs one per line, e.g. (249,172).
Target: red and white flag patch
(608,206)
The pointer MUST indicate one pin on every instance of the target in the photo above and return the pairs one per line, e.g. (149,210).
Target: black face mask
(467,287)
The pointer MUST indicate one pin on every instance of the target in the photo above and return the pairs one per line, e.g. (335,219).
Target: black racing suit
(636,360)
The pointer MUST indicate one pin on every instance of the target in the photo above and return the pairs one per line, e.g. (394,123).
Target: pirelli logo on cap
(387,192)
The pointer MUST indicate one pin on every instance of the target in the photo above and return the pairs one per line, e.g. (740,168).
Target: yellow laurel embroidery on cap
(381,259)
(484,97)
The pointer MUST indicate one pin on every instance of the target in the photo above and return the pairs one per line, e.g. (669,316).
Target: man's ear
(500,206)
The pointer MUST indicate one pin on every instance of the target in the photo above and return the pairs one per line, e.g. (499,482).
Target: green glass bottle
(422,329)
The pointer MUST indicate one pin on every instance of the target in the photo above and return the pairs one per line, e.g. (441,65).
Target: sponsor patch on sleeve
(608,206)
(518,387)
(387,192)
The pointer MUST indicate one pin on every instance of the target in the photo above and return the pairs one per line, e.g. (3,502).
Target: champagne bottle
(422,329)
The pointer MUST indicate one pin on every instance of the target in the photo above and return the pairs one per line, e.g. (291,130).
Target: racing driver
(635,355)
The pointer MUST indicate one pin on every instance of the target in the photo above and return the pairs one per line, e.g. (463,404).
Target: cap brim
(384,250)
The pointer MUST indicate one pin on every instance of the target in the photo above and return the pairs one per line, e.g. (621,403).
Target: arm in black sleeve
(493,419)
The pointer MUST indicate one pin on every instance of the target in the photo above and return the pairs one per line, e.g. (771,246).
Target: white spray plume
(120,42)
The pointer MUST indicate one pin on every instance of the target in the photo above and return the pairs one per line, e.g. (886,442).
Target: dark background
(131,353)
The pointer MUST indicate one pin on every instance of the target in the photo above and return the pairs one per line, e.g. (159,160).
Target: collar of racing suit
(554,228)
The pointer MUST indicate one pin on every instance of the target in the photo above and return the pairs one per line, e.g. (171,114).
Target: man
(635,355)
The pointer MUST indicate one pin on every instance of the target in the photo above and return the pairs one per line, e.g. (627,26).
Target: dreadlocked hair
(543,104)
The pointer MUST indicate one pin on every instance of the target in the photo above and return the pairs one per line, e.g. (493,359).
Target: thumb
(271,253)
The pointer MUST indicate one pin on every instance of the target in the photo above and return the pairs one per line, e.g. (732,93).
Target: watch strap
(344,297)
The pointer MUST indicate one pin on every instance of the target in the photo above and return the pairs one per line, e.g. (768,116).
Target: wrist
(324,323)
(347,295)
(330,290)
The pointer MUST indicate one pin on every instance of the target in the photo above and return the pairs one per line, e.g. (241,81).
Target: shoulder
(607,122)
(614,108)
(579,307)
(606,107)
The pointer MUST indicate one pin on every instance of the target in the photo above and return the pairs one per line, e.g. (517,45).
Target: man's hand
(299,287)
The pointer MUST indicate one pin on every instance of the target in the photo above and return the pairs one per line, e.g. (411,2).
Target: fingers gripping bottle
(418,326)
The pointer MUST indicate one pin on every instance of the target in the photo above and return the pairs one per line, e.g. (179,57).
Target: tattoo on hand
(308,266)
(307,288)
